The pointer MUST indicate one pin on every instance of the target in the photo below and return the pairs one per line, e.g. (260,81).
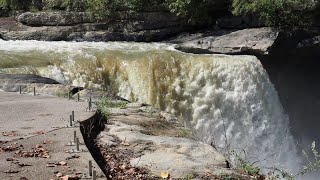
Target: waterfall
(227,101)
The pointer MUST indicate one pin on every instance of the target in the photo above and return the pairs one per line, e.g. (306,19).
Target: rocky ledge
(253,41)
(259,40)
(147,138)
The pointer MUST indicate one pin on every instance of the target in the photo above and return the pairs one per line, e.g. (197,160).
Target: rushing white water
(226,100)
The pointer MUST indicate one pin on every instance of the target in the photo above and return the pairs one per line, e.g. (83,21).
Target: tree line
(278,13)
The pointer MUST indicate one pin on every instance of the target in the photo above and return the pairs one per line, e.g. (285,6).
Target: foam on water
(226,100)
(74,47)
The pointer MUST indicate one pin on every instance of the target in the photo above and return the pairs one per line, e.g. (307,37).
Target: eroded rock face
(258,40)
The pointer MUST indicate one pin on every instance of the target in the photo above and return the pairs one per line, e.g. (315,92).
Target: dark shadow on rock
(90,129)
(296,79)
(75,90)
(11,82)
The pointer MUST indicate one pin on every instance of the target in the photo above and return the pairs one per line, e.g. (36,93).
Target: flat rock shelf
(34,138)
(149,139)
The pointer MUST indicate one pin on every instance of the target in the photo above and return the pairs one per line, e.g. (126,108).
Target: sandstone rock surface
(255,41)
(159,144)
(34,139)
(258,40)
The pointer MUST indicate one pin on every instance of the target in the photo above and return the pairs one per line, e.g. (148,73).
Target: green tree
(193,10)
(278,13)
(19,4)
(103,9)
(75,5)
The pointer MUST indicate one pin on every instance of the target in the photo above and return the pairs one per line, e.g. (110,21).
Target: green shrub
(104,9)
(69,5)
(104,105)
(278,13)
(183,132)
(193,10)
(55,4)
(244,165)
(74,5)
(16,4)
(100,8)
